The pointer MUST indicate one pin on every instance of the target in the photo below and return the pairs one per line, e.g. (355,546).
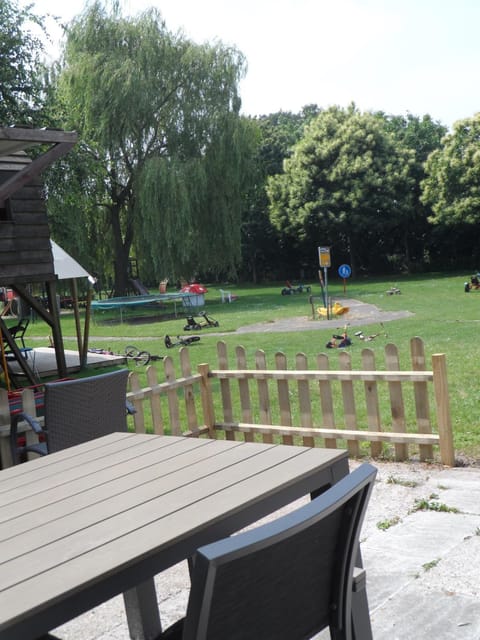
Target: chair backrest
(79,410)
(288,579)
(18,330)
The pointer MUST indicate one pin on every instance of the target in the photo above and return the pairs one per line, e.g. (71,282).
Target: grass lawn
(445,317)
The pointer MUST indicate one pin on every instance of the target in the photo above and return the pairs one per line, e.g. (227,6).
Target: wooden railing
(315,407)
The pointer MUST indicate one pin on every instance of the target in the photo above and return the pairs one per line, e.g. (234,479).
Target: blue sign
(344,271)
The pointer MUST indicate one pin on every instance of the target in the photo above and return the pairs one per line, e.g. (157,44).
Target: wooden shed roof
(14,139)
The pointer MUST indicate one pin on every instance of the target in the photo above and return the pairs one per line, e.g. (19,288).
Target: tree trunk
(406,248)
(351,251)
(121,255)
(121,283)
(254,270)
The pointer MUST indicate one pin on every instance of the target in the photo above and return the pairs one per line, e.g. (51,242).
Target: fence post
(420,390)
(207,398)
(139,415)
(264,404)
(349,407)
(283,397)
(172,399)
(190,408)
(397,406)
(440,385)
(326,400)
(155,402)
(225,390)
(371,398)
(244,392)
(304,400)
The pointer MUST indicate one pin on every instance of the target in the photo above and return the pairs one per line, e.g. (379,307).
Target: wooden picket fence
(314,407)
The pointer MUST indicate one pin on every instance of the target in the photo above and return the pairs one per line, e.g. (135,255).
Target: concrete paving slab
(423,535)
(417,612)
(458,572)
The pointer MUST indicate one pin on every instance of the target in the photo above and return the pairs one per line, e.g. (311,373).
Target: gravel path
(360,313)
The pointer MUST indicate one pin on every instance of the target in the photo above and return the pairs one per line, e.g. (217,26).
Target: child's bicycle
(139,357)
(180,341)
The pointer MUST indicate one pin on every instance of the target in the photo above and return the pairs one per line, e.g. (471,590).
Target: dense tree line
(169,172)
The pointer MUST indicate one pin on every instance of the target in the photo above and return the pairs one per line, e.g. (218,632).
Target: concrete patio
(423,566)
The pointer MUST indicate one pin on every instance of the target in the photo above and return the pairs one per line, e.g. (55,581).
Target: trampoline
(124,304)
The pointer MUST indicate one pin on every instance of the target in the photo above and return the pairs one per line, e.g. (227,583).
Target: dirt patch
(360,313)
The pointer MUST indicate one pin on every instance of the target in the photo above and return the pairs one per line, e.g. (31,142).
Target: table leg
(337,471)
(143,616)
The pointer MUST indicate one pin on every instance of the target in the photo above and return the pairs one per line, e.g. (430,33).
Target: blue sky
(398,56)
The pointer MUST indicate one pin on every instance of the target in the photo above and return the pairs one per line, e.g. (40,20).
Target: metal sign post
(324,260)
(344,271)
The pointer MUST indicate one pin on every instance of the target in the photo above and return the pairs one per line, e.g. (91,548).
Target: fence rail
(314,407)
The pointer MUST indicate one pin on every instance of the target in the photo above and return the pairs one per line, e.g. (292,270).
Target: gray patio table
(82,525)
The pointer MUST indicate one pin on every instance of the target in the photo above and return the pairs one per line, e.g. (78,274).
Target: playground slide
(139,288)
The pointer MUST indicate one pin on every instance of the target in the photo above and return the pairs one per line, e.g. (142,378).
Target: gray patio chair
(285,580)
(76,411)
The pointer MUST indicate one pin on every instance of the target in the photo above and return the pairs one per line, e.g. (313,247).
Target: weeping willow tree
(200,200)
(158,118)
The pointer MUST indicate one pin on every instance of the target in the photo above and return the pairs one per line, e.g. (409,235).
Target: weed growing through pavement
(432,504)
(430,565)
(390,522)
(401,482)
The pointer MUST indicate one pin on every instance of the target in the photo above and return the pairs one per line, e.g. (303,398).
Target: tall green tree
(264,254)
(161,136)
(452,183)
(412,240)
(452,189)
(347,185)
(21,65)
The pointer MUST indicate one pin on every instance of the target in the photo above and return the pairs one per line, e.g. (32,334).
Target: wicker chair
(288,579)
(76,411)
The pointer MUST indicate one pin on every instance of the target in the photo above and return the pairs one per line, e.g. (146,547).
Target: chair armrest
(30,420)
(40,448)
(130,408)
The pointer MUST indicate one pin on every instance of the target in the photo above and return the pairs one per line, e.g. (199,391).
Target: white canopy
(65,266)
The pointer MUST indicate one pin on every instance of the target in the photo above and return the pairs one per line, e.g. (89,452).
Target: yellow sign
(324,256)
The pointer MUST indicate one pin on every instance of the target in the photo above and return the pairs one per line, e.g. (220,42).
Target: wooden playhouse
(25,248)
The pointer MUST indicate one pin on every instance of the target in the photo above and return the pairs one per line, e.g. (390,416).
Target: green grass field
(445,317)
